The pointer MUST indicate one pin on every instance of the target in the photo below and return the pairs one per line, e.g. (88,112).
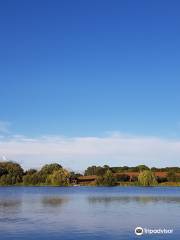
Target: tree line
(50,174)
(146,176)
(98,170)
(12,173)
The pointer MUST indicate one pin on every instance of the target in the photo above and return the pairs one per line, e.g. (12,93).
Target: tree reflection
(54,201)
(9,203)
(129,199)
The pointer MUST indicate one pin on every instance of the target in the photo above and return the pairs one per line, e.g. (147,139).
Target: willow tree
(147,178)
(59,177)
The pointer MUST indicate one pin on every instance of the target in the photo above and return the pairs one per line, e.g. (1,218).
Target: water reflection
(129,199)
(54,201)
(86,213)
(9,203)
(8,209)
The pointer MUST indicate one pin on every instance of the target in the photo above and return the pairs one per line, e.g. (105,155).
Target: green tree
(59,177)
(147,178)
(142,167)
(106,180)
(100,171)
(10,173)
(50,168)
(96,170)
(109,180)
(91,171)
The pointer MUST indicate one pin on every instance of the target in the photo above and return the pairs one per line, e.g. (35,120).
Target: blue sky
(89,68)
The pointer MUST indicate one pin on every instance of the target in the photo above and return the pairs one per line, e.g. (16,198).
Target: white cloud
(79,152)
(4,127)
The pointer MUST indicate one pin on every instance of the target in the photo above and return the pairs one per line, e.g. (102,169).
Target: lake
(88,212)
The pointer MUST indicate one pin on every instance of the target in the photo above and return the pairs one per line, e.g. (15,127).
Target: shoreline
(94,186)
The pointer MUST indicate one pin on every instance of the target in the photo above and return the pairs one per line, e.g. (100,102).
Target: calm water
(87,212)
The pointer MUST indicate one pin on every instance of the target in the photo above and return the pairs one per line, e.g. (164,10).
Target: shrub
(147,178)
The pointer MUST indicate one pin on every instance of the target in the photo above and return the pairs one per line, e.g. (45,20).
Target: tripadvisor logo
(139,231)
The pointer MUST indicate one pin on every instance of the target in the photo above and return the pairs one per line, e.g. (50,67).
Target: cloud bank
(79,152)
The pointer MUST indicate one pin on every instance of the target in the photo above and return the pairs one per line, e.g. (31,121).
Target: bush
(147,178)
